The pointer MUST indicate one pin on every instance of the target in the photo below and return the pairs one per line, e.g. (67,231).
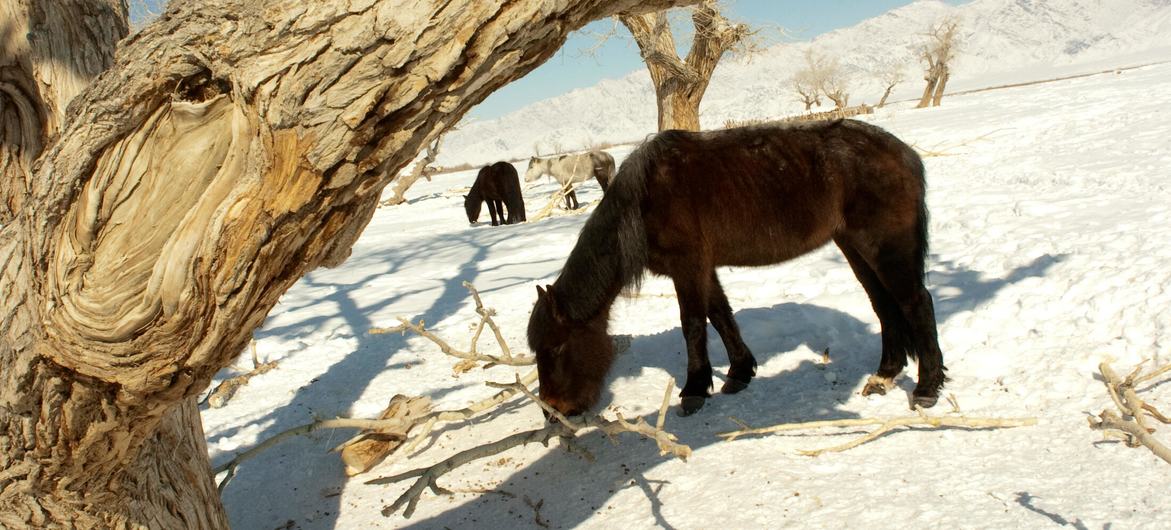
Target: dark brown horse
(499,185)
(685,203)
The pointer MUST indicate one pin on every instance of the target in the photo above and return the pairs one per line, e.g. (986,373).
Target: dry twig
(564,428)
(1132,423)
(225,390)
(470,356)
(885,425)
(945,150)
(557,198)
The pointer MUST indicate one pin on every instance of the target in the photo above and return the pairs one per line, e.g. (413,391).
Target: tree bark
(928,91)
(940,84)
(49,52)
(680,83)
(233,146)
(937,53)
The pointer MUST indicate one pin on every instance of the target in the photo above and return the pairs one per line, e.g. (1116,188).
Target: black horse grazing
(499,185)
(685,203)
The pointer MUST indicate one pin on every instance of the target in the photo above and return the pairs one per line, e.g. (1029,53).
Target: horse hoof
(877,385)
(923,401)
(691,404)
(732,386)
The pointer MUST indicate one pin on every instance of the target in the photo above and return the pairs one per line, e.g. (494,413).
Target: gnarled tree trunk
(234,146)
(680,84)
(937,54)
(49,52)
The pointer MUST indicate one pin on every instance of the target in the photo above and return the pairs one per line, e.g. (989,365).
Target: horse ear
(547,294)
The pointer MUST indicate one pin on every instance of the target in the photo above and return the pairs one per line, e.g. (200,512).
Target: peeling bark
(232,147)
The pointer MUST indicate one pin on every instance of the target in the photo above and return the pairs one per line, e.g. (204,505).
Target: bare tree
(890,73)
(807,88)
(821,75)
(835,83)
(231,147)
(937,53)
(680,83)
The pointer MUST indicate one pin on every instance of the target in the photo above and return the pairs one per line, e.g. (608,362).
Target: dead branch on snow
(885,425)
(1132,425)
(226,389)
(555,200)
(391,433)
(471,356)
(563,428)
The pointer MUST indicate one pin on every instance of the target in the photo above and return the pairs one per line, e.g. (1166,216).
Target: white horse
(573,169)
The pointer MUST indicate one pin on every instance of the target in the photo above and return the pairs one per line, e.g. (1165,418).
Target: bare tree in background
(680,83)
(835,83)
(147,229)
(937,54)
(807,89)
(821,75)
(890,73)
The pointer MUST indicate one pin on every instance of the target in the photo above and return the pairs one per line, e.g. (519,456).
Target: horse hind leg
(500,210)
(900,268)
(743,364)
(896,331)
(571,196)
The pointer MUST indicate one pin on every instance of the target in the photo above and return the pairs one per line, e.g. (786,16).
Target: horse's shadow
(800,393)
(804,392)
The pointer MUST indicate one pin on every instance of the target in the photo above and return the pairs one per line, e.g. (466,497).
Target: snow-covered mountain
(1003,41)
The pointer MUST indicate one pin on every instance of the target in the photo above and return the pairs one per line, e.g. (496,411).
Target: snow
(1001,42)
(1051,224)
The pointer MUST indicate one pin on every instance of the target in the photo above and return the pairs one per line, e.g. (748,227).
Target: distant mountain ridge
(1003,40)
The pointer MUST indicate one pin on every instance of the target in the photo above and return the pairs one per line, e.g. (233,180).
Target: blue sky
(573,68)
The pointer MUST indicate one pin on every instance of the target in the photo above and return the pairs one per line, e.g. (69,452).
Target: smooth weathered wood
(233,146)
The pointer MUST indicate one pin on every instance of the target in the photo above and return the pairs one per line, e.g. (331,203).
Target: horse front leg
(693,296)
(492,210)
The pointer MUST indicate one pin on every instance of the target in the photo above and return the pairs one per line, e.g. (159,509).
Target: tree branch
(564,428)
(885,425)
(1132,423)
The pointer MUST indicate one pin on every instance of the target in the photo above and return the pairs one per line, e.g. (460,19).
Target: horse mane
(611,252)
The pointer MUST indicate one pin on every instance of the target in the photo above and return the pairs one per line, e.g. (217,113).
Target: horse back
(762,195)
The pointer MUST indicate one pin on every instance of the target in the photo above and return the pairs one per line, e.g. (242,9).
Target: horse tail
(922,218)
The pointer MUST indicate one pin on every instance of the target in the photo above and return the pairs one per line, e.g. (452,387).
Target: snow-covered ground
(1051,235)
(1000,42)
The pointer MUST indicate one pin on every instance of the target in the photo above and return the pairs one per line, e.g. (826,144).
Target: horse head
(537,167)
(573,356)
(472,207)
